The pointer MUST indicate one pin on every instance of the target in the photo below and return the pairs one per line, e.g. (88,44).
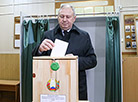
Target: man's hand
(47,44)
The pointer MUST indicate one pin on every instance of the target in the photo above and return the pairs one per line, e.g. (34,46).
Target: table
(10,85)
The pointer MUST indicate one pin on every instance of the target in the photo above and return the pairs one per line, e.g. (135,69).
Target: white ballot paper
(60,48)
(52,98)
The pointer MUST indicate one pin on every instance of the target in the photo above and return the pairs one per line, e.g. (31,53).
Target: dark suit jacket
(79,45)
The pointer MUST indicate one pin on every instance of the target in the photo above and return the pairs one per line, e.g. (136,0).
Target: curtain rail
(104,13)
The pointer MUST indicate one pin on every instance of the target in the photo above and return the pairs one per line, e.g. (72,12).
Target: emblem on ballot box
(53,85)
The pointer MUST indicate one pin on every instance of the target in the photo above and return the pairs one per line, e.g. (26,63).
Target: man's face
(66,18)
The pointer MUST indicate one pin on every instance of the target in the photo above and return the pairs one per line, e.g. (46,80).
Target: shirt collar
(67,31)
(74,28)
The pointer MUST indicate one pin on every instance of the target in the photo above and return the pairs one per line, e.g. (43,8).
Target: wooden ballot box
(55,79)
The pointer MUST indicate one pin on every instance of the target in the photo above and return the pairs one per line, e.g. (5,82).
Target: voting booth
(55,79)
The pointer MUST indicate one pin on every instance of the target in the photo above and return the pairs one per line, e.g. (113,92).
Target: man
(79,44)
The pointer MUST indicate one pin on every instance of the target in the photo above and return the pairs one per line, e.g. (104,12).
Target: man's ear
(74,18)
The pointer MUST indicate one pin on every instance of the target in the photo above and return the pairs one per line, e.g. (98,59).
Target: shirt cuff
(39,52)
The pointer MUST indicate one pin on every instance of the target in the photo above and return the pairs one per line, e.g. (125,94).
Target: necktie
(66,36)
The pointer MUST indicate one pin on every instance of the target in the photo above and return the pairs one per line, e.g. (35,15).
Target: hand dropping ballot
(60,48)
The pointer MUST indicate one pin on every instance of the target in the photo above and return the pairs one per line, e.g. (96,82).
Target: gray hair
(66,5)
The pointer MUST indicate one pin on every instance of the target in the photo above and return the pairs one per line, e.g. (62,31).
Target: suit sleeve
(35,51)
(89,59)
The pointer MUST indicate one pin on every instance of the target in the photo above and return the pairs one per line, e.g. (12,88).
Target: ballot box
(55,79)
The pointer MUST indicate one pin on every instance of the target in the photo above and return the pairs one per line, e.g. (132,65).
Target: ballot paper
(59,49)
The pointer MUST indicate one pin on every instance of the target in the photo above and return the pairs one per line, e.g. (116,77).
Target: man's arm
(35,51)
(89,60)
(43,47)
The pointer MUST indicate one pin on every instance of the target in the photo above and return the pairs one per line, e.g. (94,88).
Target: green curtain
(32,31)
(113,61)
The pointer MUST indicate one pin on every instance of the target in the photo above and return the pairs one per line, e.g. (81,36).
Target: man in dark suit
(79,44)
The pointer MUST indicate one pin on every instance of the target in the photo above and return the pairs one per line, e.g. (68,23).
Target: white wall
(6,34)
(11,8)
